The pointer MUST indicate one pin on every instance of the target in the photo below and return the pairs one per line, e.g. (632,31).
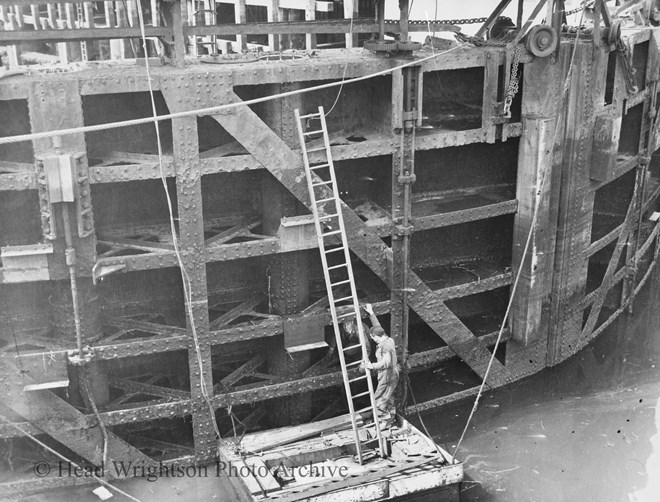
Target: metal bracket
(404,179)
(403,230)
(644,160)
(63,178)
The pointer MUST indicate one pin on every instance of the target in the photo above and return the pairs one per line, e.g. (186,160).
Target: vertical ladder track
(337,268)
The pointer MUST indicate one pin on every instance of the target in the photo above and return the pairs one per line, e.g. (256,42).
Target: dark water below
(586,430)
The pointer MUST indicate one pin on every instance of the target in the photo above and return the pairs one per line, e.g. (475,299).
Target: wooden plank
(279,437)
(236,312)
(147,327)
(262,474)
(145,388)
(606,284)
(245,475)
(333,486)
(229,234)
(244,370)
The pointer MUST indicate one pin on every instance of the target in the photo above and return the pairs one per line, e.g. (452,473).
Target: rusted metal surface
(274,154)
(61,420)
(266,134)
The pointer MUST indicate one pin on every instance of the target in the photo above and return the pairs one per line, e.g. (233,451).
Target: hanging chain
(584,5)
(472,20)
(624,55)
(513,82)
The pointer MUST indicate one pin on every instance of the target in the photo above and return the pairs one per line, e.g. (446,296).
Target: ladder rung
(354,363)
(333,232)
(309,133)
(350,314)
(310,115)
(328,216)
(334,267)
(333,284)
(325,200)
(365,409)
(322,149)
(343,299)
(362,377)
(334,250)
(321,183)
(351,347)
(361,395)
(320,166)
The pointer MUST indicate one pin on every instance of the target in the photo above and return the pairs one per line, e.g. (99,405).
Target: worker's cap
(377,331)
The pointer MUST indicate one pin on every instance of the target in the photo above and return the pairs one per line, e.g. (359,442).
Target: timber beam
(245,370)
(131,386)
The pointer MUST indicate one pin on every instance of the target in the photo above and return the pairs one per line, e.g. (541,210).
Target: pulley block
(542,40)
(612,33)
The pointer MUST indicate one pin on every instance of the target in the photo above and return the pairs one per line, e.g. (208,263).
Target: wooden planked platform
(316,462)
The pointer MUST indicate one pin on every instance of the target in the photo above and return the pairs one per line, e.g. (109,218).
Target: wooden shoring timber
(245,370)
(619,275)
(244,308)
(286,166)
(601,243)
(145,326)
(7,431)
(607,282)
(242,228)
(253,393)
(145,442)
(138,245)
(134,387)
(441,401)
(57,418)
(268,440)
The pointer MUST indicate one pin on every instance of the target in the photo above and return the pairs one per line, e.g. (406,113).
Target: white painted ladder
(329,222)
(82,23)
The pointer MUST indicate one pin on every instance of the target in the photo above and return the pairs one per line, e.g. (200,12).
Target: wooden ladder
(337,269)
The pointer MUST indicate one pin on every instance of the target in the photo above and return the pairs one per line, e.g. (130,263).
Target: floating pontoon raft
(317,462)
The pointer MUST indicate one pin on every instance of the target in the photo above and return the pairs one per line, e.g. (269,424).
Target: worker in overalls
(387,369)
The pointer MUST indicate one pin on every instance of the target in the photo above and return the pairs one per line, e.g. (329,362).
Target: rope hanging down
(187,286)
(534,221)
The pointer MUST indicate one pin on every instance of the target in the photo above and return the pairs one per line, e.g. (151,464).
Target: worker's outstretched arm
(372,317)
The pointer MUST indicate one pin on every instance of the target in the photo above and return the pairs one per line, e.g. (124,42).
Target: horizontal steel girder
(177,408)
(286,166)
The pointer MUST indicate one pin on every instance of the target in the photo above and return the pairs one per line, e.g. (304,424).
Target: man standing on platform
(387,368)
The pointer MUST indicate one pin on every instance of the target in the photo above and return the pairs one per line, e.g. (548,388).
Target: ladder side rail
(326,273)
(349,266)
